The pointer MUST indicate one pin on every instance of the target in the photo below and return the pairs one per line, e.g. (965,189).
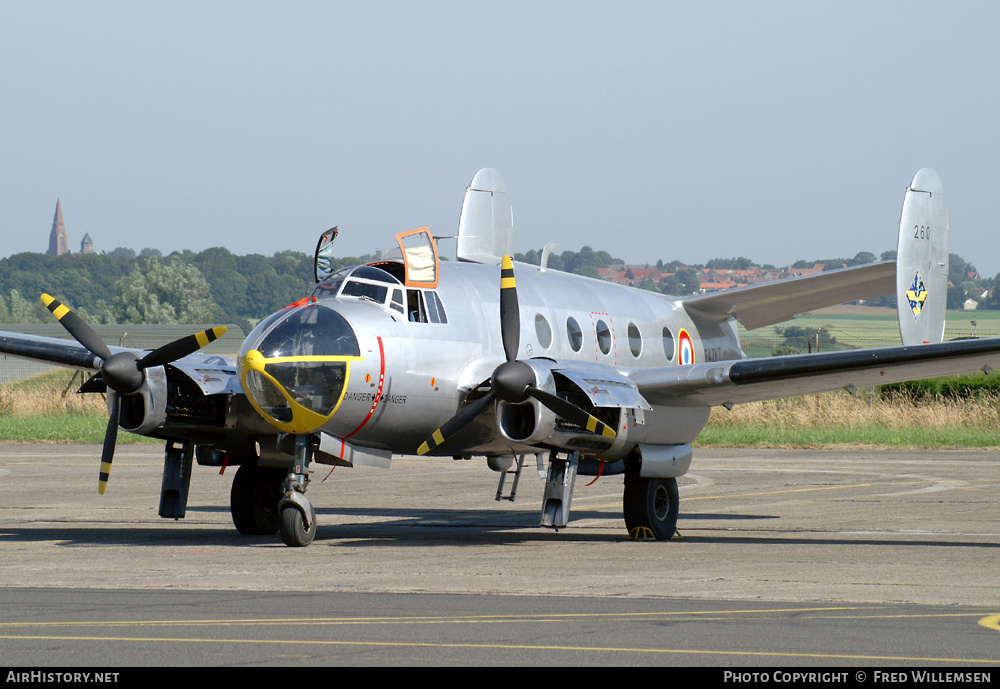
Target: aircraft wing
(212,373)
(51,350)
(773,302)
(752,380)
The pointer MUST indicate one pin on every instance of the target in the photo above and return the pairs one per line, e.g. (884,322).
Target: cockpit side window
(415,311)
(328,287)
(435,309)
(397,300)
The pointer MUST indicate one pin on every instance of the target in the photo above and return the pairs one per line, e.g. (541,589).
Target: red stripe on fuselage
(378,395)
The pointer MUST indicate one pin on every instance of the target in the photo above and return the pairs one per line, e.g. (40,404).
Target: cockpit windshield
(363,282)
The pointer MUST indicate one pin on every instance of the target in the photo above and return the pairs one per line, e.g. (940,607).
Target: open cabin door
(420,258)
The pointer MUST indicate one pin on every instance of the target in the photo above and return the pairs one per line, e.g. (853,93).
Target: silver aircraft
(486,358)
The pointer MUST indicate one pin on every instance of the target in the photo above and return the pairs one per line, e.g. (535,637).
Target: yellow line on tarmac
(430,619)
(511,647)
(991,622)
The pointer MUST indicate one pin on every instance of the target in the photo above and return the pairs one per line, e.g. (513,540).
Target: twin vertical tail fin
(922,261)
(486,226)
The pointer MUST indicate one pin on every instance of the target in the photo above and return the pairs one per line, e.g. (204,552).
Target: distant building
(87,245)
(58,242)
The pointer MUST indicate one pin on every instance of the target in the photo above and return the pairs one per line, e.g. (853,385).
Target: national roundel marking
(685,348)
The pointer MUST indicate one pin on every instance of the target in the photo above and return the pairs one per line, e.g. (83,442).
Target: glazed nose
(294,366)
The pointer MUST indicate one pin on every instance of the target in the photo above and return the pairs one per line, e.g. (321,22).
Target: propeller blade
(456,423)
(110,438)
(571,412)
(510,315)
(172,351)
(77,327)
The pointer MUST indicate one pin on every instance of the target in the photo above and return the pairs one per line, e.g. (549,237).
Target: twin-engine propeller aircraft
(482,358)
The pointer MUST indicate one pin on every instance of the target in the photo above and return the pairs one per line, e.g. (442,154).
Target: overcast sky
(677,130)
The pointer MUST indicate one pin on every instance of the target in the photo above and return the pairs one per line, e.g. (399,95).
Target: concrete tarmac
(768,539)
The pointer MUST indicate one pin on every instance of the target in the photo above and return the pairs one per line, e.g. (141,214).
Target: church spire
(58,242)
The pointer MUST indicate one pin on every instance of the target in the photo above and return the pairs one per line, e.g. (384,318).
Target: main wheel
(254,497)
(650,506)
(293,527)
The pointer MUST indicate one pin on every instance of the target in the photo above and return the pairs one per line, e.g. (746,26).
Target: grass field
(856,329)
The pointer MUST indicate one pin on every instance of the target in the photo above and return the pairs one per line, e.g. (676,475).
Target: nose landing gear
(298,518)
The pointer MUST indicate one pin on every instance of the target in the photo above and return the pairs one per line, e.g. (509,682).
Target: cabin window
(574,334)
(668,343)
(543,330)
(634,340)
(603,337)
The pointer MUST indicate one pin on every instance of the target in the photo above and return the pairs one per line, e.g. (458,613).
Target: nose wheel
(296,530)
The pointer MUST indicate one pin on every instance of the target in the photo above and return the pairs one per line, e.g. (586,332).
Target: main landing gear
(650,506)
(266,500)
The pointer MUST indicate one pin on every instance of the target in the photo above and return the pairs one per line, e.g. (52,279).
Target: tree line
(213,286)
(218,286)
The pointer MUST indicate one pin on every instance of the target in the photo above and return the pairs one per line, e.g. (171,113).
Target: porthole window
(603,337)
(634,340)
(574,334)
(544,331)
(668,344)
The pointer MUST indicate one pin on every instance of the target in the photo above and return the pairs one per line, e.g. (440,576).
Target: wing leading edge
(51,350)
(753,380)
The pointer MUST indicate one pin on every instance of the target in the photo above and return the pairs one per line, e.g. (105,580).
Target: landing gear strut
(298,518)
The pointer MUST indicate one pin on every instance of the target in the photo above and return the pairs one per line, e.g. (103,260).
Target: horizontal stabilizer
(756,306)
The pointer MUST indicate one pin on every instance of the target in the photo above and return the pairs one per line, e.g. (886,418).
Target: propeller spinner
(123,372)
(513,381)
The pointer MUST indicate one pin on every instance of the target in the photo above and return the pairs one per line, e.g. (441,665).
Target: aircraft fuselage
(409,376)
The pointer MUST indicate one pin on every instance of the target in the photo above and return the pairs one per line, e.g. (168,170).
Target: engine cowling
(532,423)
(145,410)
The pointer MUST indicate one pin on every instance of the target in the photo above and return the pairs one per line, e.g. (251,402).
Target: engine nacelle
(532,423)
(146,409)
(529,423)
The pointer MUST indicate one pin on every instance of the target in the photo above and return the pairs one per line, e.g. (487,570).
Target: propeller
(123,372)
(513,381)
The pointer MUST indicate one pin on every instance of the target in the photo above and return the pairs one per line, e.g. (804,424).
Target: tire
(293,528)
(650,506)
(253,499)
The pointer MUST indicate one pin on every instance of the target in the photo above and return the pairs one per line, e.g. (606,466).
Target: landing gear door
(420,258)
